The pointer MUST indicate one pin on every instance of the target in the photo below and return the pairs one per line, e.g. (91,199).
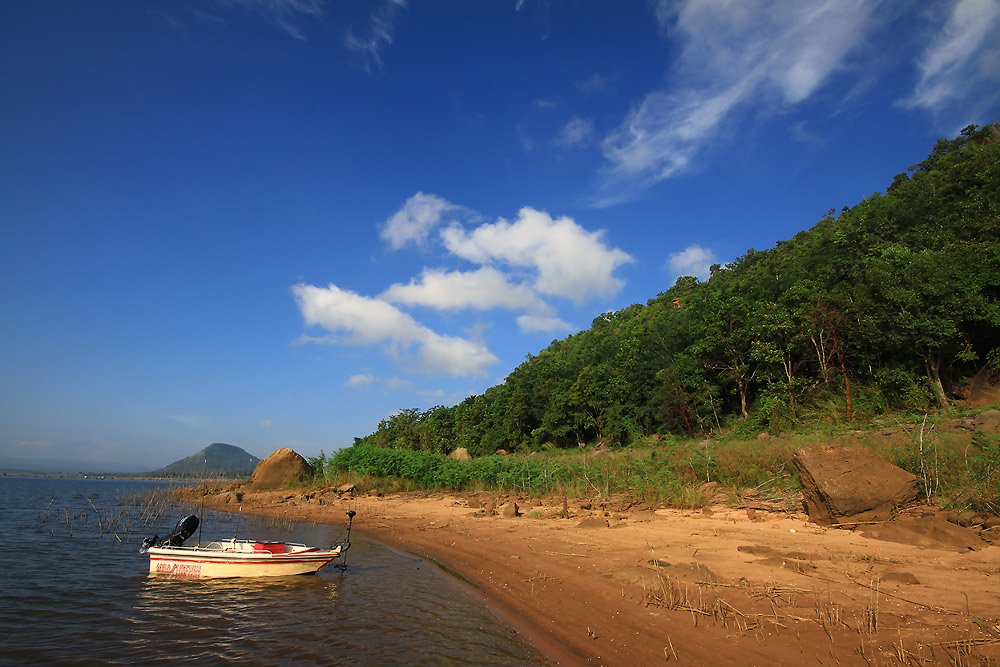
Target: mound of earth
(282,468)
(843,485)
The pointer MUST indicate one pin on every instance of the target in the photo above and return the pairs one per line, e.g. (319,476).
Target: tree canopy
(893,303)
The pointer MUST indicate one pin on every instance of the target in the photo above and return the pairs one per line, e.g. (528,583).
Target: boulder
(281,469)
(460,454)
(510,510)
(842,485)
(988,422)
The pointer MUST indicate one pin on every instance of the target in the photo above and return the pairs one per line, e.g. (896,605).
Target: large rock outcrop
(842,485)
(282,468)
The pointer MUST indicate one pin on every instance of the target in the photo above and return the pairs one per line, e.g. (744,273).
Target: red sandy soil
(719,586)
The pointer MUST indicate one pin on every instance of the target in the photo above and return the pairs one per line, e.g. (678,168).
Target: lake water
(70,595)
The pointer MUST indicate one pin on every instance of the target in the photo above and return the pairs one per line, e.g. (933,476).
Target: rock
(901,578)
(345,488)
(282,468)
(964,519)
(926,532)
(988,422)
(595,522)
(991,522)
(510,511)
(764,436)
(460,454)
(375,493)
(707,511)
(501,452)
(842,485)
(586,506)
(751,514)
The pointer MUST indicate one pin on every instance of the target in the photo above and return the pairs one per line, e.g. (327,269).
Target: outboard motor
(184,529)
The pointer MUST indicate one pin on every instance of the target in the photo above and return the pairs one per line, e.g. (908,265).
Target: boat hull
(194,563)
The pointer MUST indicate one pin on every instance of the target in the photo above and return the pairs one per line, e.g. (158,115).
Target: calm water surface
(70,595)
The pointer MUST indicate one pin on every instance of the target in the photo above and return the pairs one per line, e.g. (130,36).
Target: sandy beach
(592,583)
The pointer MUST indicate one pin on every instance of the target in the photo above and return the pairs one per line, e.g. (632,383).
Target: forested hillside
(893,303)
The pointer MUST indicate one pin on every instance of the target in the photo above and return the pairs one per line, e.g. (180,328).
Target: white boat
(235,558)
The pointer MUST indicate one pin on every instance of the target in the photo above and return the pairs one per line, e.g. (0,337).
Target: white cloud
(692,261)
(357,320)
(959,57)
(378,35)
(266,423)
(735,54)
(570,261)
(360,380)
(483,289)
(413,222)
(541,323)
(576,132)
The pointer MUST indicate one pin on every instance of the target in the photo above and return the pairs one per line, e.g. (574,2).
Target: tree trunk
(933,362)
(843,370)
(786,362)
(821,355)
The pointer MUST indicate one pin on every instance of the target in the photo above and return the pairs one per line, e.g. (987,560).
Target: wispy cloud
(378,34)
(595,83)
(187,420)
(266,423)
(575,133)
(692,261)
(962,60)
(735,56)
(286,13)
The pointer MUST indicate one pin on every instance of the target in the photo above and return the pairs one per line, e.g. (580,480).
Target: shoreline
(624,586)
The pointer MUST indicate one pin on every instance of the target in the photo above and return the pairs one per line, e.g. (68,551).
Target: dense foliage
(891,304)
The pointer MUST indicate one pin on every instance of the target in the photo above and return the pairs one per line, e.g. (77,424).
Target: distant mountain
(216,460)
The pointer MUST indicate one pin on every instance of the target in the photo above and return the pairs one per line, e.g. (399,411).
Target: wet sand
(627,586)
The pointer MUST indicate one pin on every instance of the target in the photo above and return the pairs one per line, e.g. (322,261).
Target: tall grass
(955,468)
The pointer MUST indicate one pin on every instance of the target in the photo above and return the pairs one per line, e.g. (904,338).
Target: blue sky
(274,222)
